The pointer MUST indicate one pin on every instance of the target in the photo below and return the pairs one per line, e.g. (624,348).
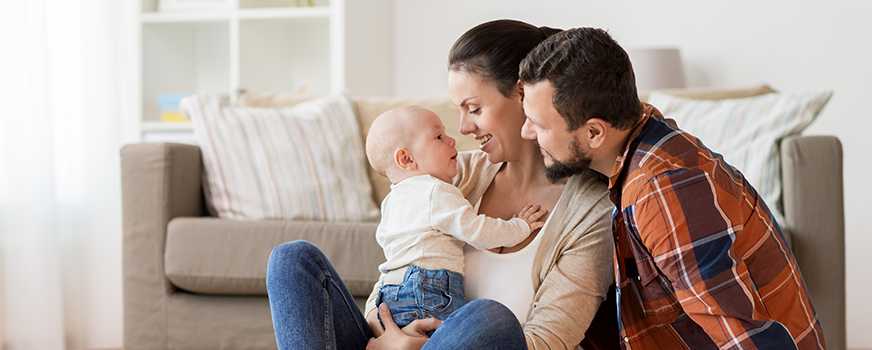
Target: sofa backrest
(368,108)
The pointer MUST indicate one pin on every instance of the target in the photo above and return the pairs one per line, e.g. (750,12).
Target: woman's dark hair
(494,49)
(591,75)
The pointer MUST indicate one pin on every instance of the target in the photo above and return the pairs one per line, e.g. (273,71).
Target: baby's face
(432,149)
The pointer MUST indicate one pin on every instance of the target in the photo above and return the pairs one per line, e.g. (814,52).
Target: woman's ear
(520,89)
(404,160)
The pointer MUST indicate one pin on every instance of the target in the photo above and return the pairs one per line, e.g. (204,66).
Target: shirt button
(626,339)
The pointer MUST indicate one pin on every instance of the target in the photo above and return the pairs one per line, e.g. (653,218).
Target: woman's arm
(369,307)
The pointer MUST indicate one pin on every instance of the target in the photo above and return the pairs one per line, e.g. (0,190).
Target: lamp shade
(657,68)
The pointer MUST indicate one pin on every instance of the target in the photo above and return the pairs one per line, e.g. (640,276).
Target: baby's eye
(439,137)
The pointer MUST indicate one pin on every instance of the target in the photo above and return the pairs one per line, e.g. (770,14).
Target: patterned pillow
(747,131)
(297,163)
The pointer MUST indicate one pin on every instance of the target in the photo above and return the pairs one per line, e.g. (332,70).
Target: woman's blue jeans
(312,309)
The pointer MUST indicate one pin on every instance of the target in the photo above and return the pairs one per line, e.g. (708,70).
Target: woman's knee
(289,258)
(289,253)
(487,309)
(480,324)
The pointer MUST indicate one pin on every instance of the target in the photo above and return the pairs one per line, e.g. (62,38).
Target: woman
(567,265)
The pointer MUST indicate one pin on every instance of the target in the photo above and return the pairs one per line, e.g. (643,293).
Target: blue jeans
(312,309)
(423,294)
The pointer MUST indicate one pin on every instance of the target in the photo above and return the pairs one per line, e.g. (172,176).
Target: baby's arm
(452,214)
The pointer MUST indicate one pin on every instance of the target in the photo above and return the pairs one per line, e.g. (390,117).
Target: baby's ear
(404,160)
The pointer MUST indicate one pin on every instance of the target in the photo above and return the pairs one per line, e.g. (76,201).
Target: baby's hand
(531,214)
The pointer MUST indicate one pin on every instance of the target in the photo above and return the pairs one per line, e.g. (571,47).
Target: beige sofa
(197,282)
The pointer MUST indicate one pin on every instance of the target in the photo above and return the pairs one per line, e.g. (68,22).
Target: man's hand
(412,336)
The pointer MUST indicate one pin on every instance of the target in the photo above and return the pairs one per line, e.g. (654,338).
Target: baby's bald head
(390,131)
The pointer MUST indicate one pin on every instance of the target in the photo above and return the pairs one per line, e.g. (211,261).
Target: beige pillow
(368,108)
(714,93)
(304,162)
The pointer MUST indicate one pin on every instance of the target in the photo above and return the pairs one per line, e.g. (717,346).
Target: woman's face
(493,119)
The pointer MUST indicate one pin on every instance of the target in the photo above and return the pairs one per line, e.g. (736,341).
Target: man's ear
(595,132)
(404,160)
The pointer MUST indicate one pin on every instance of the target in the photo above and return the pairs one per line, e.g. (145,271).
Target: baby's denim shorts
(423,294)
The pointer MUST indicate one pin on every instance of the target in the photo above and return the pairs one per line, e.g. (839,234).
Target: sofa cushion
(747,131)
(297,163)
(220,256)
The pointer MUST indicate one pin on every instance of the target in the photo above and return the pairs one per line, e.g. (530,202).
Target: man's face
(563,152)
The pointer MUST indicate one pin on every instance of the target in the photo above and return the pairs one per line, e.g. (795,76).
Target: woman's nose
(466,125)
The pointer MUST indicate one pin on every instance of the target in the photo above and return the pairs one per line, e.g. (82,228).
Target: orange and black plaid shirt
(699,261)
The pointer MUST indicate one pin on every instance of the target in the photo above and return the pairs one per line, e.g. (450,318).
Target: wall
(794,46)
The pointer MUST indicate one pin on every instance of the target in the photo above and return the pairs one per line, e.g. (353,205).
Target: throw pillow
(747,131)
(298,163)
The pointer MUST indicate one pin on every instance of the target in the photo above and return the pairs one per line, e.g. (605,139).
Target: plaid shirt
(699,261)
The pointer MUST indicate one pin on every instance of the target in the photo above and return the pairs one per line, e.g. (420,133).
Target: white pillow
(747,131)
(297,163)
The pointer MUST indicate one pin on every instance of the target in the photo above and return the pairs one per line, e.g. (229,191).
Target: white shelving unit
(258,44)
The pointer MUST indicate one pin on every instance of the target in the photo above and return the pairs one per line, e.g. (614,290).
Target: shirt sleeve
(689,222)
(452,214)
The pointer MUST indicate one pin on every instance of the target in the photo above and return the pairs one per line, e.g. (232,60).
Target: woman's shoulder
(585,198)
(474,173)
(589,185)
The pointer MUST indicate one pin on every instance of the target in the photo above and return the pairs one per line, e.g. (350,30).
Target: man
(699,261)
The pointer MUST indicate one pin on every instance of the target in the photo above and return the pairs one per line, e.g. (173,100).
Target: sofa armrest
(813,207)
(159,181)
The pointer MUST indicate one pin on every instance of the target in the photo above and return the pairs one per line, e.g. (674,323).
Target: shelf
(185,17)
(224,15)
(153,126)
(256,44)
(285,12)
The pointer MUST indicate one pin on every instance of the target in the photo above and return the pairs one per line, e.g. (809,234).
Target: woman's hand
(412,336)
(374,324)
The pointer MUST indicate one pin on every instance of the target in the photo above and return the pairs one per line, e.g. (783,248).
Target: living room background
(795,46)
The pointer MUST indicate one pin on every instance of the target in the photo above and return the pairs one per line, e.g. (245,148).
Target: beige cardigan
(573,267)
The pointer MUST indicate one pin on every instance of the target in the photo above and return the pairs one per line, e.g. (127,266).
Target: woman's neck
(527,170)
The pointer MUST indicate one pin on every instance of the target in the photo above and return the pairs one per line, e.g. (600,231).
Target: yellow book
(172,117)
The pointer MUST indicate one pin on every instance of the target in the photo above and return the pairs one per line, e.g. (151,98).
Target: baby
(426,220)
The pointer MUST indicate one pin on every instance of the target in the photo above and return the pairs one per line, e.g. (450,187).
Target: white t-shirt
(502,277)
(425,222)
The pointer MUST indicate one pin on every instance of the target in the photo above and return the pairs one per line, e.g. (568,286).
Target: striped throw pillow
(297,163)
(747,131)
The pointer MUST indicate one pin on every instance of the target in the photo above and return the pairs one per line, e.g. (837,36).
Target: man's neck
(614,146)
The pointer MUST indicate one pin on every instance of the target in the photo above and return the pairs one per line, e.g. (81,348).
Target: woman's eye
(475,111)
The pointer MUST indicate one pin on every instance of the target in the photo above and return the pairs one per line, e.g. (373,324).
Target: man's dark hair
(591,75)
(494,49)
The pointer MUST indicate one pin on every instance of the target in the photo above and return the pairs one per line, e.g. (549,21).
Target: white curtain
(61,91)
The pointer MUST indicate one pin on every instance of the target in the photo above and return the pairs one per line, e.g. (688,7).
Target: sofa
(192,281)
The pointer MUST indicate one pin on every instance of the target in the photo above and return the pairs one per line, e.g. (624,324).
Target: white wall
(793,46)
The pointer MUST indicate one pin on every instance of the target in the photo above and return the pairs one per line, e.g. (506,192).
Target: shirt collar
(647,112)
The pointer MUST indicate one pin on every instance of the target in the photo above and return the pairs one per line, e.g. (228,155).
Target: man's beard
(577,163)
